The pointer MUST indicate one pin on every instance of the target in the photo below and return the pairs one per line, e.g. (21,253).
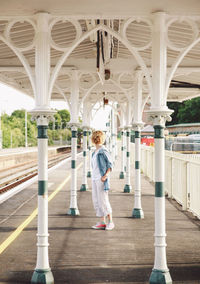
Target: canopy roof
(130,19)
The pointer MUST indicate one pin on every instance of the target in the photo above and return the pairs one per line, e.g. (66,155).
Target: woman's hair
(98,137)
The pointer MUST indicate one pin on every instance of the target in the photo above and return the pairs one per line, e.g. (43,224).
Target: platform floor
(79,254)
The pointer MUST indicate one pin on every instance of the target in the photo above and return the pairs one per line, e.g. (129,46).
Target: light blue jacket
(104,162)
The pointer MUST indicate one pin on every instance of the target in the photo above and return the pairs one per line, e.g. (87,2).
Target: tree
(175,107)
(65,117)
(186,112)
(189,111)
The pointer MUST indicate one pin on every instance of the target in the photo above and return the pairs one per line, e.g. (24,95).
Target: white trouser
(100,199)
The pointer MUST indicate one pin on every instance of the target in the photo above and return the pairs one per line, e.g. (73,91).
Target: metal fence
(182,177)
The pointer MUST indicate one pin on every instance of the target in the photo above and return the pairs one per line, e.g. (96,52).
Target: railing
(182,177)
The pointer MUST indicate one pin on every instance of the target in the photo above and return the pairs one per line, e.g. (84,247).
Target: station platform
(79,254)
(10,157)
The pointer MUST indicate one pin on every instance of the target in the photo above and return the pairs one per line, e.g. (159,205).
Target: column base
(73,212)
(42,276)
(160,277)
(138,213)
(121,175)
(127,188)
(89,174)
(83,187)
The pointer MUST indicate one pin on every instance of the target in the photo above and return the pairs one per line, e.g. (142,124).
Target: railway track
(18,174)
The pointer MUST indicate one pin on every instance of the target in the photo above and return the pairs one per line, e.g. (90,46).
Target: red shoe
(99,226)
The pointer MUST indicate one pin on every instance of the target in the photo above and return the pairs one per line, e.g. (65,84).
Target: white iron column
(89,153)
(137,211)
(84,181)
(42,273)
(42,257)
(127,187)
(115,135)
(124,151)
(112,136)
(121,175)
(73,210)
(159,112)
(137,125)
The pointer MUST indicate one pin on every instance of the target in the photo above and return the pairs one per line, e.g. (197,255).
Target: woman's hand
(104,178)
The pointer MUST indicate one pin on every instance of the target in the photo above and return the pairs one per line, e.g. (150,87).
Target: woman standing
(101,167)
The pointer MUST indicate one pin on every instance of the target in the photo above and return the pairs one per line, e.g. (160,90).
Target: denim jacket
(104,163)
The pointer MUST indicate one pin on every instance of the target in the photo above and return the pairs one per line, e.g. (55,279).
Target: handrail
(171,146)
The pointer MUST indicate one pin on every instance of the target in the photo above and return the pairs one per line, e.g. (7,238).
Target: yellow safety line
(21,227)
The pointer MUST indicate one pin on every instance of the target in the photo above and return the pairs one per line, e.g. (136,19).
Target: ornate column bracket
(159,117)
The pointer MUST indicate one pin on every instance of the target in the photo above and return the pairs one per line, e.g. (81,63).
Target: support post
(160,273)
(84,178)
(112,136)
(42,113)
(42,273)
(159,113)
(137,211)
(73,210)
(121,175)
(127,187)
(89,154)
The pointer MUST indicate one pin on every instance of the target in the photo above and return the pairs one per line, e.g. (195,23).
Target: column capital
(42,116)
(73,125)
(137,126)
(159,116)
(85,127)
(128,127)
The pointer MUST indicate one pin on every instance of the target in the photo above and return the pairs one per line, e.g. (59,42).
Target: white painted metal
(42,234)
(159,112)
(84,174)
(137,190)
(89,153)
(182,177)
(137,125)
(123,133)
(74,97)
(74,124)
(42,62)
(128,174)
(112,114)
(73,196)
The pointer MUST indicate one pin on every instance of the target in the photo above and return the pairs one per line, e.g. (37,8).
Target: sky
(11,99)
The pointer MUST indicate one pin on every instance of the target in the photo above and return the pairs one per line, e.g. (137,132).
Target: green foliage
(65,117)
(61,118)
(186,112)
(13,129)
